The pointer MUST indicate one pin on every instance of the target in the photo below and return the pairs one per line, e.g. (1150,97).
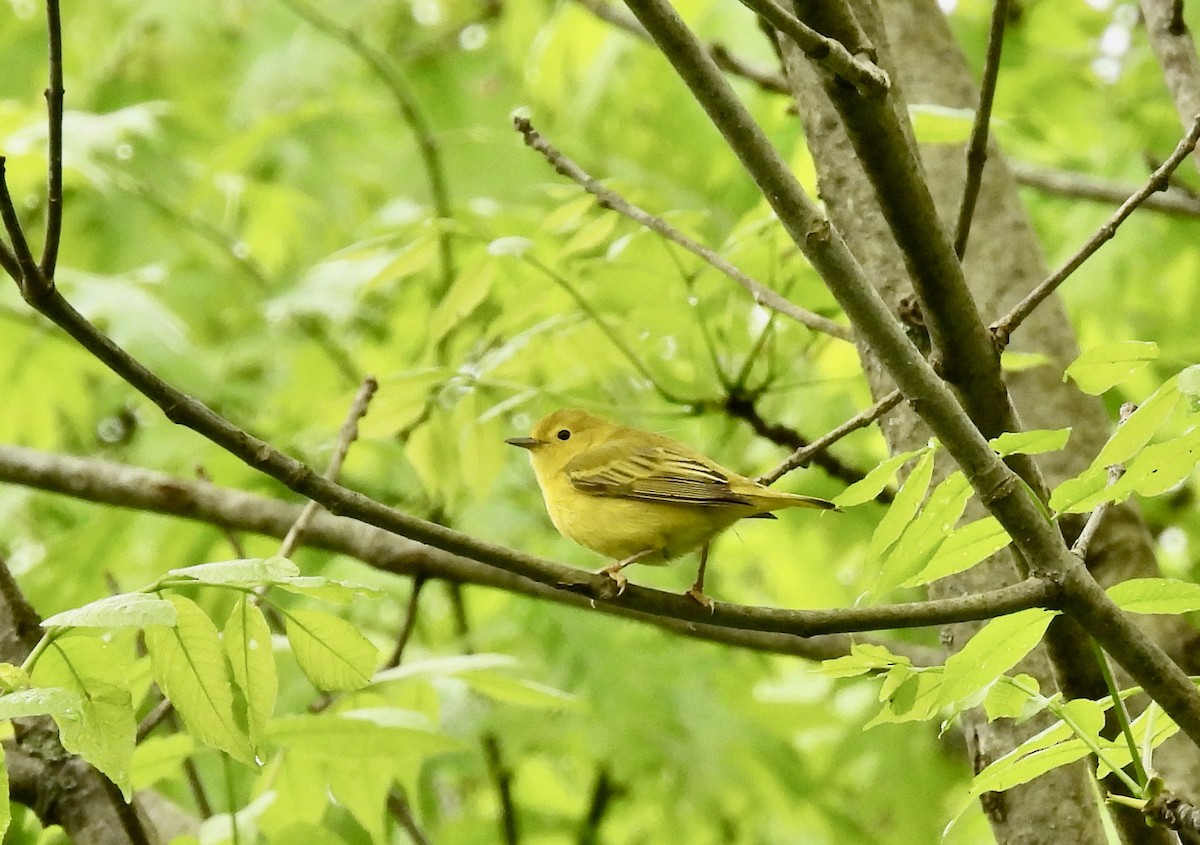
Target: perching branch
(1003,328)
(122,486)
(613,201)
(977,146)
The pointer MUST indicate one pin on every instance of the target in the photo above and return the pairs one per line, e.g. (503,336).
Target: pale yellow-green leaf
(134,610)
(994,649)
(1142,425)
(247,641)
(1156,595)
(1105,366)
(868,487)
(904,507)
(189,666)
(330,651)
(1033,442)
(249,572)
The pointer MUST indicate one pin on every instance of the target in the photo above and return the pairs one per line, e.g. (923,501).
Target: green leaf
(1066,496)
(925,534)
(250,572)
(158,757)
(247,641)
(456,665)
(1102,367)
(126,610)
(189,666)
(1156,595)
(1133,434)
(12,677)
(868,487)
(5,807)
(331,652)
(1034,442)
(1019,362)
(38,701)
(914,699)
(934,124)
(102,731)
(1016,768)
(962,549)
(520,692)
(591,235)
(994,649)
(329,589)
(863,658)
(904,507)
(1189,386)
(1012,699)
(469,290)
(367,735)
(1161,466)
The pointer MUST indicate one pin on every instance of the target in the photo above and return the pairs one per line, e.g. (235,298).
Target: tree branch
(54,125)
(1003,328)
(613,201)
(121,486)
(868,78)
(977,147)
(1175,50)
(1068,183)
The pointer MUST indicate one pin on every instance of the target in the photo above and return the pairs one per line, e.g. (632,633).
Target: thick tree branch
(1035,537)
(965,354)
(1175,49)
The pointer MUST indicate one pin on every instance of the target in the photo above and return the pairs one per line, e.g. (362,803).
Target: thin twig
(346,436)
(615,202)
(493,752)
(410,109)
(29,275)
(803,455)
(868,78)
(1096,517)
(1068,183)
(768,80)
(604,790)
(742,406)
(409,624)
(1003,328)
(401,811)
(977,148)
(54,126)
(609,332)
(157,715)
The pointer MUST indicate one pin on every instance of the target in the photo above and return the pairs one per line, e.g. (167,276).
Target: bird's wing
(657,473)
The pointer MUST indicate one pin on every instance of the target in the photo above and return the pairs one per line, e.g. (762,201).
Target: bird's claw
(618,578)
(701,599)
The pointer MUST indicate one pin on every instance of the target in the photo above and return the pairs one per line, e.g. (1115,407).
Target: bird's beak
(525,442)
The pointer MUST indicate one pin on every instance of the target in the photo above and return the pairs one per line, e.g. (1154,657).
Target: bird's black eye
(563,434)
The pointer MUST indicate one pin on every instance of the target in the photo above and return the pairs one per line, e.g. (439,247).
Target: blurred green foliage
(248,213)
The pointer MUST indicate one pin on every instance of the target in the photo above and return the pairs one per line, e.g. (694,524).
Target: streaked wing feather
(653,473)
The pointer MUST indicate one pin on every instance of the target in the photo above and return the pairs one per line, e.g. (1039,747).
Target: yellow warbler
(640,497)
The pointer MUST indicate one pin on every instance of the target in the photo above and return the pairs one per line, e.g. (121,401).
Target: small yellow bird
(640,497)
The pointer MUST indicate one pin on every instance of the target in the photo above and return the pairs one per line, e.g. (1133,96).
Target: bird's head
(559,437)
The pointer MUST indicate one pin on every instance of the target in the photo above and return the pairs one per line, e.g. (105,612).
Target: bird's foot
(618,578)
(701,599)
